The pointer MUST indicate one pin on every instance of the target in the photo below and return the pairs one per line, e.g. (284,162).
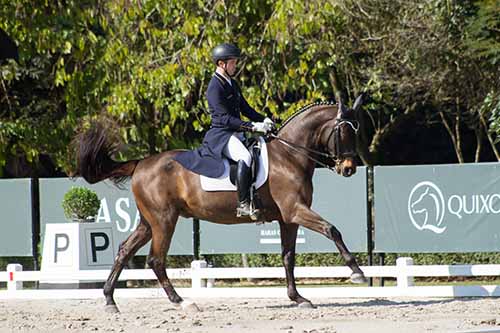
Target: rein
(308,151)
(297,148)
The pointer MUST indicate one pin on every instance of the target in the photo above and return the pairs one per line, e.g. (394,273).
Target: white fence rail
(202,276)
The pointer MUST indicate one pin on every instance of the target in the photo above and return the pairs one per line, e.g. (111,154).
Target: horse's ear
(343,111)
(358,102)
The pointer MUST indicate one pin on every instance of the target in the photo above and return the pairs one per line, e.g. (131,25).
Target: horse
(321,132)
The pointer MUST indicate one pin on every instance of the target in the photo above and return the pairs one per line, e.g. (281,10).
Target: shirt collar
(224,77)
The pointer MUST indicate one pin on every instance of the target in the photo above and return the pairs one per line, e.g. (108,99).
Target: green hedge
(334,259)
(304,259)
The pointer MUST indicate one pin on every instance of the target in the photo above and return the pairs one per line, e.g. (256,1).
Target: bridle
(338,154)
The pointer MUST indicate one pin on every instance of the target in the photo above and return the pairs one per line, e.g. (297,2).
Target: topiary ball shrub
(81,204)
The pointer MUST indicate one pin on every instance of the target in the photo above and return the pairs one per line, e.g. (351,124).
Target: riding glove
(261,127)
(270,123)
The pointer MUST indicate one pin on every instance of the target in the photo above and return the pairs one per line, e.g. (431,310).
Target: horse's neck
(304,130)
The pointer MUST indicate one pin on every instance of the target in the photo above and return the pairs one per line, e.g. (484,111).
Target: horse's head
(339,138)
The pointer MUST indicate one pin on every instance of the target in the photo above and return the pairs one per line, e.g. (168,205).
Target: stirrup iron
(247,209)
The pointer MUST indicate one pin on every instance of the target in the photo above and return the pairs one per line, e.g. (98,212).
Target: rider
(225,135)
(226,103)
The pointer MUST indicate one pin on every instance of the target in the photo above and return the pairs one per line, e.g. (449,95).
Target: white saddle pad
(223,183)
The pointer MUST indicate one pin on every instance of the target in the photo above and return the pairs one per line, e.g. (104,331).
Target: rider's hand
(269,121)
(260,127)
(271,125)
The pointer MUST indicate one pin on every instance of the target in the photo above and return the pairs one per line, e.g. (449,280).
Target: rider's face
(231,66)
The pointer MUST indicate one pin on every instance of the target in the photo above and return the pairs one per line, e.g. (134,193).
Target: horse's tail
(94,150)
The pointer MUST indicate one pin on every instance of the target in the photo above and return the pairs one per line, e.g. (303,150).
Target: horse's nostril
(347,172)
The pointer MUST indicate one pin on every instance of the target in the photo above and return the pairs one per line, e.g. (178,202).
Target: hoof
(111,309)
(358,278)
(306,305)
(190,306)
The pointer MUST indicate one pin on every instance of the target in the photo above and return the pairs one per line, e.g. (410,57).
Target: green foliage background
(147,65)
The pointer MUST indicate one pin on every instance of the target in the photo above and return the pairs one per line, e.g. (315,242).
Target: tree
(483,45)
(147,64)
(38,95)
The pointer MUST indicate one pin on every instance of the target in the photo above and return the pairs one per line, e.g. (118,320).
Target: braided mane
(304,109)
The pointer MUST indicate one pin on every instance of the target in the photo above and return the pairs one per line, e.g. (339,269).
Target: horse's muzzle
(347,168)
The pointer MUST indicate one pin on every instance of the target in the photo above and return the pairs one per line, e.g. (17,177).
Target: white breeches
(236,150)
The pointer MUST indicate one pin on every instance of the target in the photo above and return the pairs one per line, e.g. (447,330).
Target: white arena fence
(203,280)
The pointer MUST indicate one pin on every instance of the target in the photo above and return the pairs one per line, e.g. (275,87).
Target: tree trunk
(453,135)
(490,138)
(338,89)
(458,147)
(479,138)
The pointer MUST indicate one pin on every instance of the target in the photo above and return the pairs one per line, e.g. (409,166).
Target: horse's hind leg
(127,249)
(162,236)
(288,234)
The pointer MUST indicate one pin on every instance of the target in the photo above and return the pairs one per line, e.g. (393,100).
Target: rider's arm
(247,110)
(220,114)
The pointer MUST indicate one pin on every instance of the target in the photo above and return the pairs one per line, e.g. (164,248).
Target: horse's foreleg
(304,216)
(288,234)
(126,250)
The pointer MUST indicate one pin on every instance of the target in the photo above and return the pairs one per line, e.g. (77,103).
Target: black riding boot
(243,183)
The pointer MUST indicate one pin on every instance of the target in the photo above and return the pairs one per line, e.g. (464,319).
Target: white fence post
(196,280)
(12,284)
(211,281)
(403,279)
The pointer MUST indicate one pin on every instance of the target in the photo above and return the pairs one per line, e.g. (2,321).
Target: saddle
(259,169)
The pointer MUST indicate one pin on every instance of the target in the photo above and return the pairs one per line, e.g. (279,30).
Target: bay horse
(163,189)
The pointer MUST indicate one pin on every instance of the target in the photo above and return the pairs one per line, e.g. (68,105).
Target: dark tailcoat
(225,103)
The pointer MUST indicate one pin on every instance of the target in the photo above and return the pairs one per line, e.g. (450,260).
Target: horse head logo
(426,207)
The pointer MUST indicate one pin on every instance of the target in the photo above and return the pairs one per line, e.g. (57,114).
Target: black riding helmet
(225,51)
